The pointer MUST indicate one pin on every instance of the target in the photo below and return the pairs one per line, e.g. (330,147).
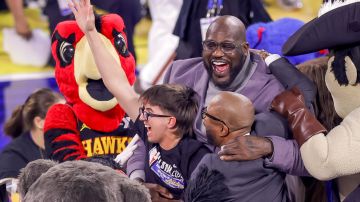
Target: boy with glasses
(229,116)
(163,116)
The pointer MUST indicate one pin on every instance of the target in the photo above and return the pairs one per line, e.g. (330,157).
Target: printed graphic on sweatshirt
(168,173)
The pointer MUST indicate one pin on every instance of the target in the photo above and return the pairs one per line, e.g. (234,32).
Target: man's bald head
(236,110)
(228,23)
(226,44)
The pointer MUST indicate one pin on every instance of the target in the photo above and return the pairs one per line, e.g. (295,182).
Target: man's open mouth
(97,90)
(220,67)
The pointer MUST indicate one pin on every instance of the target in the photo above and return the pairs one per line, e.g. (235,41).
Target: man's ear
(39,122)
(224,131)
(245,47)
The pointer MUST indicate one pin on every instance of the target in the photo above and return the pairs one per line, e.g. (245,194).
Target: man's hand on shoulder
(245,148)
(263,53)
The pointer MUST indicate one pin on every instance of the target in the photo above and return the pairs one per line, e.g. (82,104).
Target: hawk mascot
(335,154)
(91,122)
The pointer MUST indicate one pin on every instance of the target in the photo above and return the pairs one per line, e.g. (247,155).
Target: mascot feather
(91,122)
(335,154)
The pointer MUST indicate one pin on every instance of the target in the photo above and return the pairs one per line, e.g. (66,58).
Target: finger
(124,156)
(127,153)
(164,192)
(82,3)
(231,158)
(231,144)
(226,152)
(76,4)
(91,13)
(119,157)
(72,7)
(134,140)
(229,148)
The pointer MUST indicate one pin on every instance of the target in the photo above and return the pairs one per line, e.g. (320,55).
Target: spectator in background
(58,11)
(162,43)
(16,8)
(25,126)
(290,4)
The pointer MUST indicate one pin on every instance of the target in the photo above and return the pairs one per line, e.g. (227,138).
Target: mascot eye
(66,52)
(120,45)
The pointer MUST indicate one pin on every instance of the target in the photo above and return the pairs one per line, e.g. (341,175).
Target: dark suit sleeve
(289,76)
(271,124)
(197,158)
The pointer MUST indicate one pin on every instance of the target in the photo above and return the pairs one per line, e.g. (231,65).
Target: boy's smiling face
(156,126)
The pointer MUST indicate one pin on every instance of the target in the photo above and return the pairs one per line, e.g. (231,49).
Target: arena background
(17,82)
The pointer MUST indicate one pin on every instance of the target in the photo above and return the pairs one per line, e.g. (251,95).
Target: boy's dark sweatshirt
(170,168)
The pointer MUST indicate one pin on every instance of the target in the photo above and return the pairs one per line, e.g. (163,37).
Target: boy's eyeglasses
(225,47)
(146,114)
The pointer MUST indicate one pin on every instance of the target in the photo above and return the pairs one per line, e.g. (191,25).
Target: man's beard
(222,85)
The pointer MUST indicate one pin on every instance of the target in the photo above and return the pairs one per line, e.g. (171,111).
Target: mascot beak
(92,90)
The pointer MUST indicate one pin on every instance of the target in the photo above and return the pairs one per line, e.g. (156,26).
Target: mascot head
(336,28)
(271,36)
(76,72)
(45,180)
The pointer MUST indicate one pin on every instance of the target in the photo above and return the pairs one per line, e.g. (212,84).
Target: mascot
(271,36)
(337,153)
(91,122)
(77,181)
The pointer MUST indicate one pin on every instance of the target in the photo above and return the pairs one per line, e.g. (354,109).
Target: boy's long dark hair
(178,100)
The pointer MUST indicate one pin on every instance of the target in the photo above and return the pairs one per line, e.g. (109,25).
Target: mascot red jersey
(92,122)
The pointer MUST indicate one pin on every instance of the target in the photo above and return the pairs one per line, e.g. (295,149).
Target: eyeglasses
(146,114)
(204,114)
(226,47)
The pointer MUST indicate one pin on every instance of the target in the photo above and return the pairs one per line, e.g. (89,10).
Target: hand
(22,28)
(158,193)
(263,53)
(124,156)
(245,148)
(84,14)
(302,122)
(288,102)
